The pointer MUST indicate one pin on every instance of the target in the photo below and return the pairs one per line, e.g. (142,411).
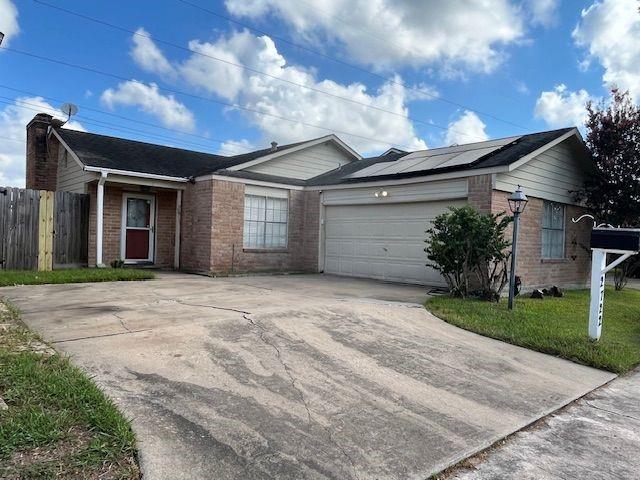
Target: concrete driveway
(294,377)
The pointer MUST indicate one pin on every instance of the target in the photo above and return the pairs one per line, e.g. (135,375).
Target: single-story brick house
(313,206)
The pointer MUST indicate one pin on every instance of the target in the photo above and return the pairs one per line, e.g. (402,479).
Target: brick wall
(480,188)
(535,271)
(42,155)
(195,230)
(212,235)
(164,231)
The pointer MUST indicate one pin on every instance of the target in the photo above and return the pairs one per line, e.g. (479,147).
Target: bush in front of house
(119,263)
(469,249)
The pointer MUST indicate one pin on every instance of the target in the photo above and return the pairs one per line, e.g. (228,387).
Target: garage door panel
(382,241)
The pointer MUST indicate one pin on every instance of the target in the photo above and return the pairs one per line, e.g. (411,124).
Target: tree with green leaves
(469,249)
(612,190)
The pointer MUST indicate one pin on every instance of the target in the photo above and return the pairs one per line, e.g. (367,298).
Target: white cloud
(387,34)
(236,147)
(543,12)
(308,105)
(13,122)
(522,87)
(148,99)
(8,21)
(610,31)
(562,108)
(148,56)
(466,129)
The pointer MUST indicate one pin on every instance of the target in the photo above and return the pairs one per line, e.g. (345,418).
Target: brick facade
(195,229)
(571,271)
(212,232)
(536,272)
(164,226)
(42,155)
(480,188)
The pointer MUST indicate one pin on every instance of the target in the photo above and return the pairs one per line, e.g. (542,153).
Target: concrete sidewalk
(598,437)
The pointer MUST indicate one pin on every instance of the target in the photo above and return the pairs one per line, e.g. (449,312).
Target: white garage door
(382,241)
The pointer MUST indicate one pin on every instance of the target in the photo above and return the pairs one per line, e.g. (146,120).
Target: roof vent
(274,146)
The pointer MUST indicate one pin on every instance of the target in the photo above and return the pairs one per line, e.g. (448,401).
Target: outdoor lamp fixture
(381,194)
(517,203)
(1,37)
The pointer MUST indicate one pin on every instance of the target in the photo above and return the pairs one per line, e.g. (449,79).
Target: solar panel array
(436,158)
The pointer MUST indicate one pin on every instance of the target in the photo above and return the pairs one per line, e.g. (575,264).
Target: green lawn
(557,326)
(58,423)
(74,275)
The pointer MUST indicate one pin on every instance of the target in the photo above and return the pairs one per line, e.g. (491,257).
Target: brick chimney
(42,156)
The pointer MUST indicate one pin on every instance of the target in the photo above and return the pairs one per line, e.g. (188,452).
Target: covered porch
(135,219)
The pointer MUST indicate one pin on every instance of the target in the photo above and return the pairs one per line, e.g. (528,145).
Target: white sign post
(599,269)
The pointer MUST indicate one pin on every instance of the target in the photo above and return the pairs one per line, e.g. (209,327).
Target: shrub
(464,245)
(119,263)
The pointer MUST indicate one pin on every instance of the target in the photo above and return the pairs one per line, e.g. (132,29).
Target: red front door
(139,212)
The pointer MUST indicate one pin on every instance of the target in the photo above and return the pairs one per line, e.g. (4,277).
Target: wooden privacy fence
(42,229)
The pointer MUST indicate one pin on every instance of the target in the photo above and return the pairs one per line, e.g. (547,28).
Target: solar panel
(425,160)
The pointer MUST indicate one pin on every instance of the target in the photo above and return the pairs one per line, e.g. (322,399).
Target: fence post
(45,234)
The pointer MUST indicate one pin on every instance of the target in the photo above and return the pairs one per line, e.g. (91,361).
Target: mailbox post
(622,241)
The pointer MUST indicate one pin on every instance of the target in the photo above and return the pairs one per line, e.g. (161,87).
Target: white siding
(304,164)
(71,177)
(418,192)
(551,175)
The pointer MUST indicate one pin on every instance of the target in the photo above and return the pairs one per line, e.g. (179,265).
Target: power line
(392,80)
(13,139)
(199,97)
(99,123)
(122,117)
(116,127)
(251,69)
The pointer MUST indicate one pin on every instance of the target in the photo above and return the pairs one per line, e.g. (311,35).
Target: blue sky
(384,73)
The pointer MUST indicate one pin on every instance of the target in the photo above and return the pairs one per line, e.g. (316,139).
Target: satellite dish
(69,109)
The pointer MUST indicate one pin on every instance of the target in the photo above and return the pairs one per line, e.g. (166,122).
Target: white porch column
(100,219)
(176,253)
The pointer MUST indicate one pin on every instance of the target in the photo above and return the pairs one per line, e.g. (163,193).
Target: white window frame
(543,253)
(263,245)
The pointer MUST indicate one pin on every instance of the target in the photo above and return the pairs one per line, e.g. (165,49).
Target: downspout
(176,253)
(100,218)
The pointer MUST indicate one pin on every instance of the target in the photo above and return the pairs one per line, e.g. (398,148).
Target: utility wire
(116,127)
(392,80)
(129,119)
(199,97)
(90,121)
(13,140)
(251,69)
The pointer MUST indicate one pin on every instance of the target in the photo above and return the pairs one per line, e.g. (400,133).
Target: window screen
(553,230)
(265,222)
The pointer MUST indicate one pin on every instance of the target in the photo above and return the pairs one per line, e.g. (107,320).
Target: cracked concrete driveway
(296,377)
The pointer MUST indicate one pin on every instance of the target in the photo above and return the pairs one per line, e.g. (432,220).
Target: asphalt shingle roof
(506,155)
(121,154)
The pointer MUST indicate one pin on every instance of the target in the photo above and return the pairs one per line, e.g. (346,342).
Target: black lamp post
(517,203)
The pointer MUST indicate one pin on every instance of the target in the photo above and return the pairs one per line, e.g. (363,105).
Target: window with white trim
(553,230)
(265,222)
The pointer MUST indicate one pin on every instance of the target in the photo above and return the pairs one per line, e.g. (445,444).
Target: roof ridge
(250,152)
(72,131)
